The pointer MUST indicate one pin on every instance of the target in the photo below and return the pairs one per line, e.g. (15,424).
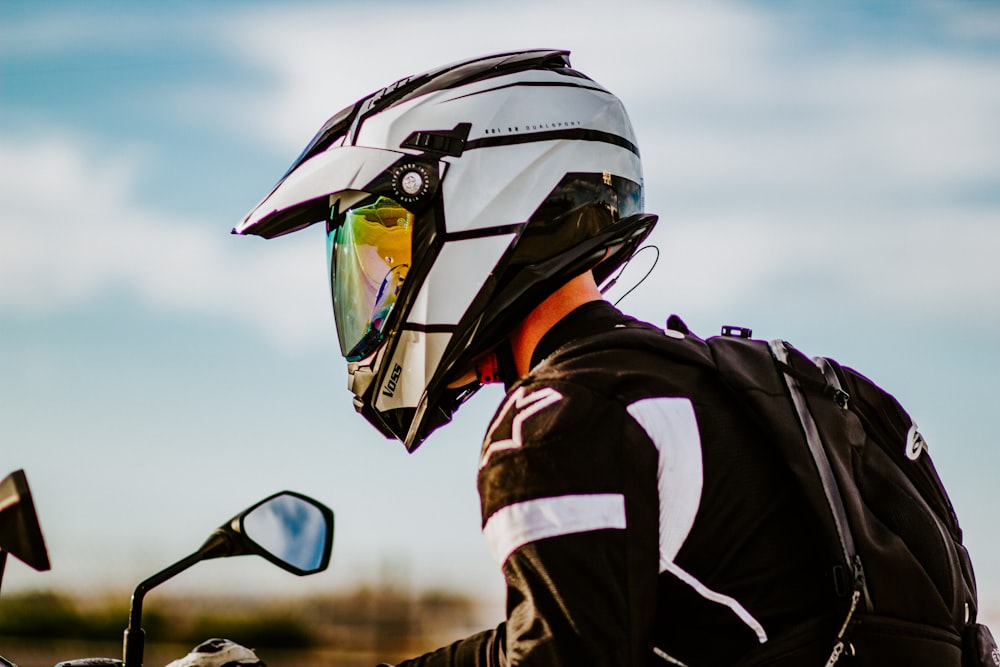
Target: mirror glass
(290,528)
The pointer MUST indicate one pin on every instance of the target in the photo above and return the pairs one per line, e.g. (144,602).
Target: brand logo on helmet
(532,127)
(413,183)
(390,386)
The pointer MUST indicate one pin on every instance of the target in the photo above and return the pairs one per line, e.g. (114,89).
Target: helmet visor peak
(368,252)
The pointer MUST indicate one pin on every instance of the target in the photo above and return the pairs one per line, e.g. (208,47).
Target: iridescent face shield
(369,250)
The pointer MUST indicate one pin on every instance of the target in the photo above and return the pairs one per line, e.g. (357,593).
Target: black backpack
(906,577)
(903,575)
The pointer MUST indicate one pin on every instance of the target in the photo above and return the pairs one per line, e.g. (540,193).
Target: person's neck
(525,336)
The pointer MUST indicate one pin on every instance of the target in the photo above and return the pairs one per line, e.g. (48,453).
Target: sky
(825,173)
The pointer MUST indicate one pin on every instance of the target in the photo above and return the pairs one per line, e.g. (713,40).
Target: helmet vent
(440,142)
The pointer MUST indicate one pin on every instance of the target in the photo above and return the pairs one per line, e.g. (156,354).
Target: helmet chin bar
(369,377)
(363,379)
(361,382)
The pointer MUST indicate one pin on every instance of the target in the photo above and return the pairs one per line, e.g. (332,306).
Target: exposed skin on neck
(526,335)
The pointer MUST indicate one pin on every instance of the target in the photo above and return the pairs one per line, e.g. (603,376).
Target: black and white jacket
(639,518)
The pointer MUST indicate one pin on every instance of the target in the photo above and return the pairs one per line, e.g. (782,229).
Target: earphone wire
(611,283)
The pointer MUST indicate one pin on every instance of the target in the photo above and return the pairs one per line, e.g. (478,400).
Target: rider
(472,213)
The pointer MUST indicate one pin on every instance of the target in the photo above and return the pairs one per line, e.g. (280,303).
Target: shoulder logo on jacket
(526,406)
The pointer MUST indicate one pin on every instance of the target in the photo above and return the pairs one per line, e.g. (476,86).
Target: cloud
(770,157)
(790,100)
(892,265)
(846,162)
(72,230)
(323,58)
(873,180)
(898,131)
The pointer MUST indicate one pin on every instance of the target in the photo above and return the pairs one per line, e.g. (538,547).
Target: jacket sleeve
(484,649)
(568,489)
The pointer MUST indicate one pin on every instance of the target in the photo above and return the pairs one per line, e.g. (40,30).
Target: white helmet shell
(507,175)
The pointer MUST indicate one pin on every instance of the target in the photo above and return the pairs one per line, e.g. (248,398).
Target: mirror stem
(133,645)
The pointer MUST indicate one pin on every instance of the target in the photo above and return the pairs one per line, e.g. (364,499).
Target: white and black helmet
(455,202)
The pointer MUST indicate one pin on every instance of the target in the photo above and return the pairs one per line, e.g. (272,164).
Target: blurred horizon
(827,174)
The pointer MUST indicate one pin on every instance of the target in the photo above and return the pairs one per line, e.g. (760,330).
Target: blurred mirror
(20,533)
(295,530)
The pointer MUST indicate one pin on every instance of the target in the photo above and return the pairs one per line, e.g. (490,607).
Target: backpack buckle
(736,332)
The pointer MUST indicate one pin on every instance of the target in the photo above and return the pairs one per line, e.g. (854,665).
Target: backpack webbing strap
(828,481)
(830,490)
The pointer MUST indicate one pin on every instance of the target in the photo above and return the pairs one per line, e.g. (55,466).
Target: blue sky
(825,174)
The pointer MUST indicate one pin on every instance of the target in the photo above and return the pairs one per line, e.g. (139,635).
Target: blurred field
(364,627)
(358,629)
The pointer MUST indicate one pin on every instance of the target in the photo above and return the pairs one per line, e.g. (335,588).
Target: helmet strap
(497,366)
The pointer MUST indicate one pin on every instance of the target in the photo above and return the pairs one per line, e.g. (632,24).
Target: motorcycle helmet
(455,202)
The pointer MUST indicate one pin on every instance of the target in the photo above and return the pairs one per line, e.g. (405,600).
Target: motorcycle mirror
(291,530)
(288,529)
(20,533)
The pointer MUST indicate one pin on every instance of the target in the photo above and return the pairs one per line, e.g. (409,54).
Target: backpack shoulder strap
(769,377)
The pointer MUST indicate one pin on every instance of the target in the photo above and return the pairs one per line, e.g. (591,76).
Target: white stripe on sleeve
(671,424)
(511,527)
